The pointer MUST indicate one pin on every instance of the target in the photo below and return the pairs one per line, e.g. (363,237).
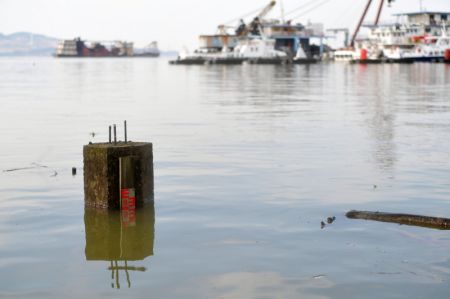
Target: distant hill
(27,44)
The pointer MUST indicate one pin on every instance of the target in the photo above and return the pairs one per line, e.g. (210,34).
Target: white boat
(258,50)
(252,50)
(434,49)
(430,49)
(398,42)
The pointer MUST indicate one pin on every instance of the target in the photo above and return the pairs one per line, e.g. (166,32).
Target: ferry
(433,49)
(394,42)
(420,38)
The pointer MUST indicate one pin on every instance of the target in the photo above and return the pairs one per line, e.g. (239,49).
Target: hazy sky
(173,23)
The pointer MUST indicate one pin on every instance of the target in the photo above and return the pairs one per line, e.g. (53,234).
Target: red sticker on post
(128,206)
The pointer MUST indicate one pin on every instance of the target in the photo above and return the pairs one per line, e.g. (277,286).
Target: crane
(253,27)
(380,7)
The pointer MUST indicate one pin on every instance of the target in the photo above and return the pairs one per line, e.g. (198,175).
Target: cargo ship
(80,48)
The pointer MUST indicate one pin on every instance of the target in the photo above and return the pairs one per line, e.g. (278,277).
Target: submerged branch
(407,219)
(35,165)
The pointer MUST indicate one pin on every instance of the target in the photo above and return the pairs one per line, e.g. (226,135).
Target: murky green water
(248,161)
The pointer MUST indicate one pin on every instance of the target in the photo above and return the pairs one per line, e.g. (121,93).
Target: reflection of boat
(113,237)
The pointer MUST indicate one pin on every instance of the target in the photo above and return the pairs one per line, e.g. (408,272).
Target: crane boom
(266,10)
(254,25)
(380,7)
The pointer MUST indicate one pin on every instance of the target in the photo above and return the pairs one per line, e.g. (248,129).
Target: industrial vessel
(81,48)
(260,41)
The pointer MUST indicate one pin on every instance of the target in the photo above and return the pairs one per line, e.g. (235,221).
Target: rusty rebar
(125,129)
(115,134)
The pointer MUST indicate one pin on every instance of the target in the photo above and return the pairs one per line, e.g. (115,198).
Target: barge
(81,48)
(260,41)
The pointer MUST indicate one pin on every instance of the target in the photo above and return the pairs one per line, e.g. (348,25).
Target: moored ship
(416,38)
(80,48)
(260,41)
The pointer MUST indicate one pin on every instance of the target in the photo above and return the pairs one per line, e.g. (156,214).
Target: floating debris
(331,219)
(34,166)
(407,219)
(322,224)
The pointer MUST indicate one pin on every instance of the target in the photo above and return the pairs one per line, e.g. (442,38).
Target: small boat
(253,51)
(151,50)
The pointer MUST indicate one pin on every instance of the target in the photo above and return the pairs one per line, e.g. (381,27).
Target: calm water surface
(248,161)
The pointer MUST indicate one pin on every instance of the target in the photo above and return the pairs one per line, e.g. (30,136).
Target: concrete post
(102,174)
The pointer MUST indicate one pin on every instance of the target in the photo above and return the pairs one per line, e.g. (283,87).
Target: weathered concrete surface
(101,173)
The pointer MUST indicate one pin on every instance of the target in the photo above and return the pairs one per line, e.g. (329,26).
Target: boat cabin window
(432,20)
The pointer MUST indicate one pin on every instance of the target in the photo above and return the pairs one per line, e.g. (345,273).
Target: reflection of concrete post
(102,172)
(108,239)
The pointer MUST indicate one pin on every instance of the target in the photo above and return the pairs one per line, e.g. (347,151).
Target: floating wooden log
(406,219)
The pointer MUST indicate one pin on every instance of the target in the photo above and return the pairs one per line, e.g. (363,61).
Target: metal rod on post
(125,127)
(109,134)
(115,134)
